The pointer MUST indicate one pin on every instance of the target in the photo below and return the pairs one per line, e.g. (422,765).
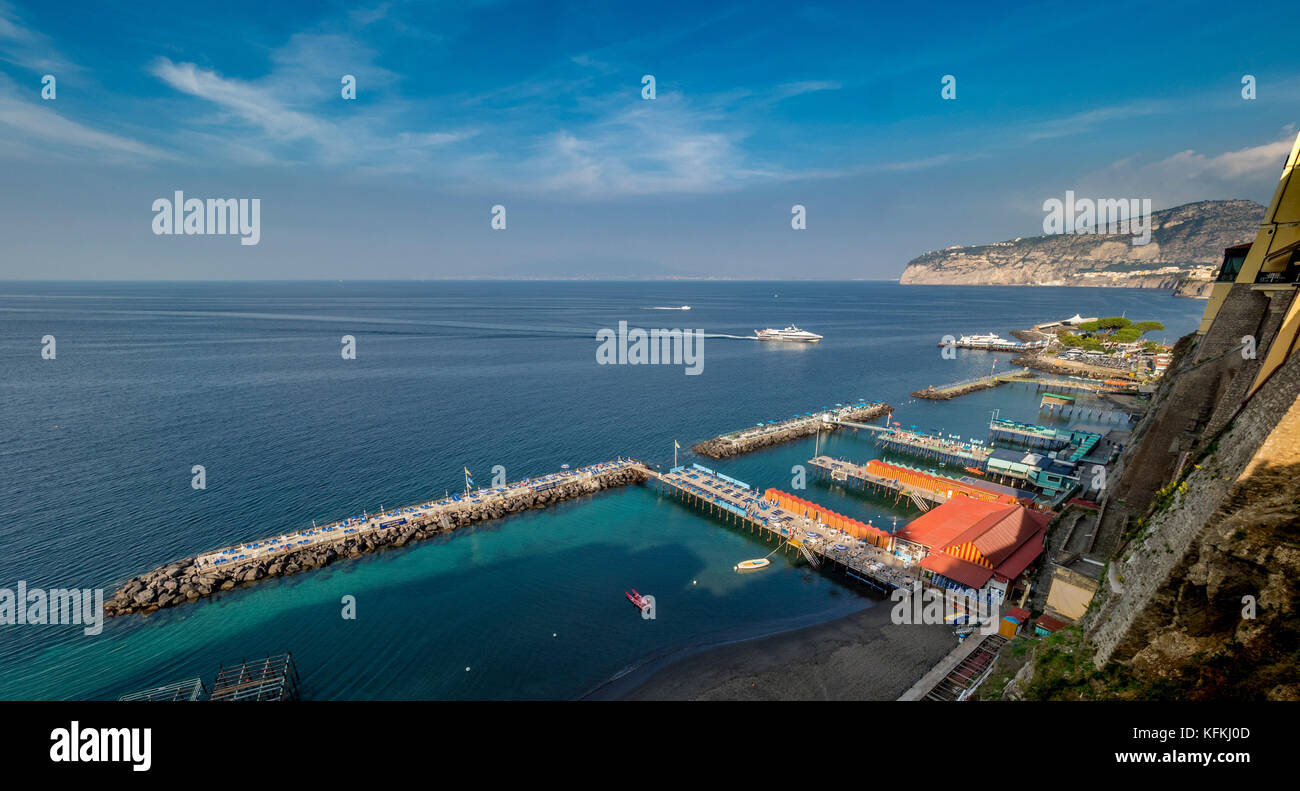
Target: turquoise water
(247,380)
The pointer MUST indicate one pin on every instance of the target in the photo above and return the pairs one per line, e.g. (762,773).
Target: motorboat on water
(642,603)
(753,565)
(790,333)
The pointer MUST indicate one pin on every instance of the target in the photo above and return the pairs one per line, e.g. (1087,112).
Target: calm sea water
(96,449)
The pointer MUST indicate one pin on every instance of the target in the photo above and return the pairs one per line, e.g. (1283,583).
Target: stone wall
(1181,581)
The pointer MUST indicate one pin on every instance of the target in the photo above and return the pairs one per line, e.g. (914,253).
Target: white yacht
(791,333)
(990,339)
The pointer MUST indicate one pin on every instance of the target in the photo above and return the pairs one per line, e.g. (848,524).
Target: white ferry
(791,333)
(985,340)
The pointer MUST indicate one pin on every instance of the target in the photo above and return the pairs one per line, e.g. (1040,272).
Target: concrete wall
(1071,592)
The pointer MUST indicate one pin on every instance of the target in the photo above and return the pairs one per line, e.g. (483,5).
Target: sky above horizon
(538,107)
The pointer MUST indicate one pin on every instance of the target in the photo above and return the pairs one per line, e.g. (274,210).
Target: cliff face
(1205,595)
(1200,599)
(1188,236)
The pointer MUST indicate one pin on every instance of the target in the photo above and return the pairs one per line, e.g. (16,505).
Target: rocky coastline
(183,581)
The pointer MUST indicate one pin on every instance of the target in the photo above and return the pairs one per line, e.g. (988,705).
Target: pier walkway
(1082,386)
(736,503)
(922,488)
(930,446)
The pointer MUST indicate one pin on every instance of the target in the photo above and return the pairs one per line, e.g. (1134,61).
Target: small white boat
(752,565)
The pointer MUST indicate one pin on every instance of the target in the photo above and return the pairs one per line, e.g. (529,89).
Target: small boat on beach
(752,565)
(641,602)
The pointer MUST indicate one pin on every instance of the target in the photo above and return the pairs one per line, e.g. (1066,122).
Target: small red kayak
(640,601)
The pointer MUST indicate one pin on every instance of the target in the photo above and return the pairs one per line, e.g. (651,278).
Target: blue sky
(537,107)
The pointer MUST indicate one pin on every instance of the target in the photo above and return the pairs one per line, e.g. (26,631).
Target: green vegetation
(1112,329)
(1064,670)
(1083,342)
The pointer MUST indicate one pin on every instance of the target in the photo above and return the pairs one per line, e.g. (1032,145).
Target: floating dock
(931,446)
(775,432)
(1068,406)
(922,489)
(1084,386)
(223,569)
(791,526)
(1030,435)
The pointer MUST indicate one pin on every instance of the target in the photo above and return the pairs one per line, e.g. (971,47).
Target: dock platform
(937,448)
(735,503)
(922,489)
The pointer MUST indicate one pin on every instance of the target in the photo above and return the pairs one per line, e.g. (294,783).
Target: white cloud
(27,48)
(253,104)
(1253,162)
(31,124)
(1191,175)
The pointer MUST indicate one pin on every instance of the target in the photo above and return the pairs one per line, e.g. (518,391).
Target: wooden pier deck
(923,489)
(929,446)
(735,503)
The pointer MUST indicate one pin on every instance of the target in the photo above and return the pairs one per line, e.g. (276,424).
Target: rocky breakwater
(185,581)
(949,392)
(748,440)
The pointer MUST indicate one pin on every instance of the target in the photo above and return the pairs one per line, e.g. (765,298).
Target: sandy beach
(861,656)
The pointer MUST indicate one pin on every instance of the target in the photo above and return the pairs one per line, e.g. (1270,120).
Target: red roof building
(971,542)
(1046,624)
(1019,614)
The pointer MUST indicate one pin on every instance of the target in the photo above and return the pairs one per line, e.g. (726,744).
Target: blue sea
(247,379)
